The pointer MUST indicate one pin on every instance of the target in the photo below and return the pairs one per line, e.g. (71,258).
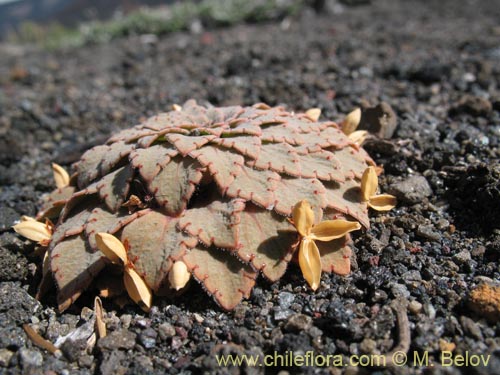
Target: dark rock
(380,120)
(8,216)
(122,339)
(471,328)
(73,349)
(30,358)
(298,323)
(427,232)
(411,190)
(472,105)
(113,363)
(16,305)
(148,338)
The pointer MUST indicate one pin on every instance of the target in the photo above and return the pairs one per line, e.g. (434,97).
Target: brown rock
(485,301)
(380,120)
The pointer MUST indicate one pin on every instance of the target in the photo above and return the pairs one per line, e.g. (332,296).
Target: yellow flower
(309,256)
(369,187)
(35,230)
(135,285)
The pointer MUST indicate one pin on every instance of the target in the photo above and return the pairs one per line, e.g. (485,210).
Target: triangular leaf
(322,165)
(113,188)
(185,144)
(174,185)
(281,133)
(88,166)
(291,190)
(248,146)
(353,161)
(336,255)
(256,186)
(224,165)
(222,275)
(149,161)
(214,224)
(74,266)
(53,203)
(279,157)
(154,242)
(346,198)
(266,241)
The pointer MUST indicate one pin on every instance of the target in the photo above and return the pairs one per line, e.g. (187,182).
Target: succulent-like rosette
(208,192)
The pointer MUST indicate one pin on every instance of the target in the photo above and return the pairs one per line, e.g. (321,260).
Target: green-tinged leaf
(113,188)
(223,165)
(266,241)
(254,185)
(149,161)
(310,262)
(336,256)
(174,185)
(279,157)
(154,243)
(74,266)
(222,275)
(292,190)
(185,144)
(214,224)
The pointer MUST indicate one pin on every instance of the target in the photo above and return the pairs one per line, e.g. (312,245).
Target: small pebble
(30,358)
(415,307)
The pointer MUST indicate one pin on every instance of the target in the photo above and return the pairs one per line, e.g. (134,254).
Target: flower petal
(331,229)
(313,113)
(179,275)
(111,247)
(369,183)
(310,262)
(303,217)
(34,230)
(358,136)
(99,318)
(351,121)
(61,177)
(382,202)
(137,289)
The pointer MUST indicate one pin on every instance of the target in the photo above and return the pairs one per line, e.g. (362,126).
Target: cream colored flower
(309,256)
(35,230)
(135,285)
(61,177)
(369,187)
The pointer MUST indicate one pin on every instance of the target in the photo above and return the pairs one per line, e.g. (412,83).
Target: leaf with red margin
(279,157)
(76,198)
(241,126)
(88,166)
(292,190)
(214,224)
(154,243)
(336,255)
(186,144)
(116,152)
(100,220)
(149,161)
(170,120)
(113,188)
(346,198)
(223,165)
(129,135)
(74,265)
(245,145)
(222,275)
(256,186)
(326,138)
(322,165)
(72,225)
(352,160)
(53,203)
(176,183)
(266,241)
(303,124)
(281,133)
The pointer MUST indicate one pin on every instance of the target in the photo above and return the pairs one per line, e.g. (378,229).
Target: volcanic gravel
(429,68)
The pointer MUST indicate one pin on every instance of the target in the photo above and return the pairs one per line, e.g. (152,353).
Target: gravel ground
(429,267)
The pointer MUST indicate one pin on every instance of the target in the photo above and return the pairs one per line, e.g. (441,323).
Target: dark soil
(435,63)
